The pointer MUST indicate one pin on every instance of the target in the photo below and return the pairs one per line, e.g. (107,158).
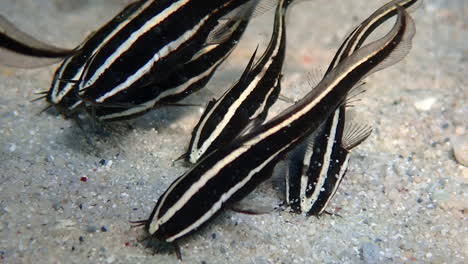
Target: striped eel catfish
(248,100)
(234,170)
(186,79)
(317,166)
(61,93)
(161,36)
(19,49)
(203,65)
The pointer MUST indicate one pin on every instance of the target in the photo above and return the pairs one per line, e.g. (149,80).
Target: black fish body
(62,93)
(231,172)
(248,100)
(173,32)
(185,80)
(317,167)
(161,36)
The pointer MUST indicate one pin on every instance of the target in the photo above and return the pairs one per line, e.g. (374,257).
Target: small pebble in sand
(50,158)
(12,147)
(370,252)
(460,149)
(425,104)
(106,163)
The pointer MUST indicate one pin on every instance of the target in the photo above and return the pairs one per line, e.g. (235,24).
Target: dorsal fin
(263,6)
(354,93)
(255,8)
(222,32)
(254,123)
(208,107)
(402,48)
(315,76)
(251,9)
(248,68)
(356,37)
(184,156)
(354,134)
(286,99)
(203,51)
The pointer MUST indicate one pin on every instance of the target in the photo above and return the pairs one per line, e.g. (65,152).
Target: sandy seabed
(67,196)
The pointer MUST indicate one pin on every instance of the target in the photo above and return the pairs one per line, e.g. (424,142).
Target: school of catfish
(156,53)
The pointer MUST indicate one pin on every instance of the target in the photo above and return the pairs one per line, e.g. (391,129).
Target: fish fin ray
(401,50)
(249,66)
(251,9)
(354,134)
(286,99)
(315,76)
(222,32)
(354,93)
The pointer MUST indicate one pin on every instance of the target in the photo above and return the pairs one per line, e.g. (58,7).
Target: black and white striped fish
(61,93)
(317,167)
(248,100)
(162,35)
(231,172)
(186,77)
(197,72)
(185,80)
(18,49)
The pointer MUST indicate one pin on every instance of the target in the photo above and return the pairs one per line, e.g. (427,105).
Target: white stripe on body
(307,202)
(196,153)
(56,98)
(151,103)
